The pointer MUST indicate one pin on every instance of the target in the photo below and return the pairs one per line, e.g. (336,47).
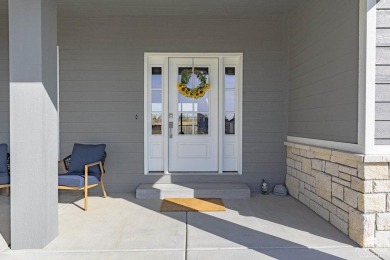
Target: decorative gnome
(264,187)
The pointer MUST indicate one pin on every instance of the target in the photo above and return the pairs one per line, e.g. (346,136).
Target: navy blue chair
(84,169)
(4,167)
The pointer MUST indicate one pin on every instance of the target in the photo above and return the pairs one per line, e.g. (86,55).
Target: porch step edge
(194,190)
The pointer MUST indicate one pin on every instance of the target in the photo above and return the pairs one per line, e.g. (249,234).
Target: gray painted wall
(323,91)
(101,87)
(4,73)
(382,106)
(101,81)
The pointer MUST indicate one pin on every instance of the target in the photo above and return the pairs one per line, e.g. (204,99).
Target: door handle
(170,129)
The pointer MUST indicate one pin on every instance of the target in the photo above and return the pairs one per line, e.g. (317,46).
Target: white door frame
(161,60)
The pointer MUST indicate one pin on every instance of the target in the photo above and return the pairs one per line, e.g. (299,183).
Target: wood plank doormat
(191,204)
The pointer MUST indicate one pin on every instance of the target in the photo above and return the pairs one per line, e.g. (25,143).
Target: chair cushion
(73,180)
(83,154)
(3,158)
(4,178)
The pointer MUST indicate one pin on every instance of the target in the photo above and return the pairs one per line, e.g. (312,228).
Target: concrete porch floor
(122,227)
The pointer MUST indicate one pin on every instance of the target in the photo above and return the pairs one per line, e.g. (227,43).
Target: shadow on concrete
(242,236)
(208,231)
(286,211)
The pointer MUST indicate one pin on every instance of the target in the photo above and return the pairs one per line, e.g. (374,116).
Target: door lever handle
(170,129)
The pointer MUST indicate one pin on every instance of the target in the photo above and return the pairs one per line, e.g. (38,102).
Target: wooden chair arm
(93,164)
(86,172)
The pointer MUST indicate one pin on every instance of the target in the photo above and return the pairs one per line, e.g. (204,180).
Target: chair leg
(7,191)
(104,190)
(85,198)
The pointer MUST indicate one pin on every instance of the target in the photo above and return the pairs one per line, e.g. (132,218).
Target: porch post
(33,122)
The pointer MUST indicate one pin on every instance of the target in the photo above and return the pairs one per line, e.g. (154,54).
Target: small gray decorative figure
(264,187)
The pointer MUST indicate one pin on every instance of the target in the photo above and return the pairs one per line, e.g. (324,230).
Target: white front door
(193,115)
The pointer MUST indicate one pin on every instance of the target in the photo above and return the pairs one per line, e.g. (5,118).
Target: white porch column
(33,122)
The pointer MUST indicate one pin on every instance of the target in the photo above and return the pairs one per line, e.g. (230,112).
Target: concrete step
(193,190)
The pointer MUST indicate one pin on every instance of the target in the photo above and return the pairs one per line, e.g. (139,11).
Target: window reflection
(202,127)
(229,101)
(156,78)
(230,97)
(193,118)
(156,101)
(230,123)
(156,96)
(185,124)
(230,78)
(156,123)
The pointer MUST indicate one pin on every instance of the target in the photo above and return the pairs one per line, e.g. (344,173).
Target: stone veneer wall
(351,191)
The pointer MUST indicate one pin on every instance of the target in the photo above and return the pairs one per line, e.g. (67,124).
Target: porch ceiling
(203,8)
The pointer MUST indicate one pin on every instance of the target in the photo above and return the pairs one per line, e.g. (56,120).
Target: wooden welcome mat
(191,204)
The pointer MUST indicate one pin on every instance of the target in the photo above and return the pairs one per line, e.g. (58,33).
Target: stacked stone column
(351,191)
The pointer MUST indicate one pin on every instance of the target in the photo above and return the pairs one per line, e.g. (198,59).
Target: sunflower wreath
(196,92)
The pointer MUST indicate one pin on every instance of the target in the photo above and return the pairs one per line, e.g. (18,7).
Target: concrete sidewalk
(263,227)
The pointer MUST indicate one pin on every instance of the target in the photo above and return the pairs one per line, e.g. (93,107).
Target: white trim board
(367,79)
(348,147)
(367,74)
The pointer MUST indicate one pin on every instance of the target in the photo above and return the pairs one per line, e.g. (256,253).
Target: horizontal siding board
(327,71)
(266,127)
(99,126)
(338,97)
(263,157)
(383,37)
(382,111)
(254,137)
(382,93)
(382,129)
(102,117)
(265,86)
(383,4)
(107,96)
(127,137)
(259,96)
(102,75)
(101,106)
(317,132)
(117,147)
(383,74)
(383,56)
(382,141)
(323,86)
(343,111)
(262,106)
(383,18)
